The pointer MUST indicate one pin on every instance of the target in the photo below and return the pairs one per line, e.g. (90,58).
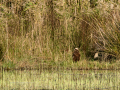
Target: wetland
(60,79)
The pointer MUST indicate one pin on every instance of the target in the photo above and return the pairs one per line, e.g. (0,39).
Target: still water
(60,80)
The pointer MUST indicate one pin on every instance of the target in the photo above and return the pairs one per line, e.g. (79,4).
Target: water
(60,80)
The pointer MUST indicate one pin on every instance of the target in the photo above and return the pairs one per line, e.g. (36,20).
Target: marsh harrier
(76,55)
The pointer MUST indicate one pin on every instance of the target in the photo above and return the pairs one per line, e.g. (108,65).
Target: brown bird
(76,55)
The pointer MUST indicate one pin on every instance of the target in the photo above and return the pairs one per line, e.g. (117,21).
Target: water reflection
(60,79)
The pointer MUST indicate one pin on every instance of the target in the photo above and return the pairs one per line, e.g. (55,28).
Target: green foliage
(8,65)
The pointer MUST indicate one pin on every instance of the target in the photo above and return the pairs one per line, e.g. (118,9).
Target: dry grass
(47,30)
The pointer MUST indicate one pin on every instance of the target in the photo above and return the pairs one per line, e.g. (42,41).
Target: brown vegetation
(46,28)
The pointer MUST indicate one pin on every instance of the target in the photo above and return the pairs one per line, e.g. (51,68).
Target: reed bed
(48,30)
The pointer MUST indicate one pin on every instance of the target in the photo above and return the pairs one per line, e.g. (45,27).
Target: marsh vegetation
(41,35)
(37,33)
(60,80)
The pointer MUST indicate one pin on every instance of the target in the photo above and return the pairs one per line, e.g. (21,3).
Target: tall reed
(50,29)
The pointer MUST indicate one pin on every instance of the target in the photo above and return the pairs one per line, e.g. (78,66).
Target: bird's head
(76,49)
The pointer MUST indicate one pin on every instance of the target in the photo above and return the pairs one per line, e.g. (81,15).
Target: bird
(96,56)
(76,55)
